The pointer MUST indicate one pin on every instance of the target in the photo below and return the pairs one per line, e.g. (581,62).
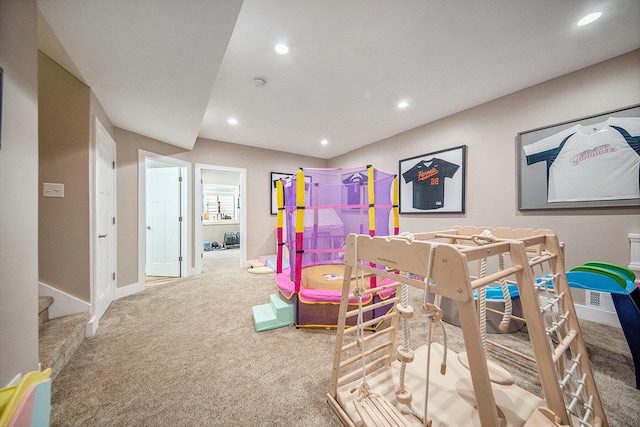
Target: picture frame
(354,191)
(275,176)
(533,179)
(433,183)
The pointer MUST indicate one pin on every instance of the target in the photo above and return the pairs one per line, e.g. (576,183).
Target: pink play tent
(318,209)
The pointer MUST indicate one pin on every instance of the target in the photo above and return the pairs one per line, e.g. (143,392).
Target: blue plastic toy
(619,282)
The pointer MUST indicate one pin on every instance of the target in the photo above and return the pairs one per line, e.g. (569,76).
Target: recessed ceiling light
(403,104)
(232,121)
(282,48)
(324,141)
(589,18)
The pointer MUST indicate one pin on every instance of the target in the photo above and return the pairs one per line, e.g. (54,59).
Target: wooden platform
(451,401)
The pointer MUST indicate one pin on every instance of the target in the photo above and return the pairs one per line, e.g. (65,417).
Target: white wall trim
(634,239)
(131,289)
(63,304)
(197,213)
(604,317)
(92,327)
(14,381)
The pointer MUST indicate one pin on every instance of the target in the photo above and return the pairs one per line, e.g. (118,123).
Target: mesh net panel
(336,205)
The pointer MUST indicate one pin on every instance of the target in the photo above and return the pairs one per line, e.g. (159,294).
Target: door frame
(98,128)
(197,213)
(186,204)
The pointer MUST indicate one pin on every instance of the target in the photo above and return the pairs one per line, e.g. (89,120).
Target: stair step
(59,340)
(282,306)
(265,318)
(44,302)
(264,312)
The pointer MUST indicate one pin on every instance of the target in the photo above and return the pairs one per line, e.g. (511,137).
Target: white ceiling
(175,70)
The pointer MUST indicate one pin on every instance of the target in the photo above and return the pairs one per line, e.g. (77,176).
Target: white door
(163,221)
(105,280)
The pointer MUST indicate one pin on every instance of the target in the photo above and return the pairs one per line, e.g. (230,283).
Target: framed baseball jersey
(600,161)
(355,187)
(589,162)
(433,182)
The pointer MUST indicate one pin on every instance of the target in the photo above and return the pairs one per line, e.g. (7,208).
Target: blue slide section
(619,282)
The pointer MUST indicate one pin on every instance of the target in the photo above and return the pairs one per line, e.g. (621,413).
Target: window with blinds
(219,203)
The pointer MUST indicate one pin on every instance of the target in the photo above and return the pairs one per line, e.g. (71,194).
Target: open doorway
(164,212)
(219,215)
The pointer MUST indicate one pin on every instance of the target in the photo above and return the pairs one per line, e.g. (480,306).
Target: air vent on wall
(599,300)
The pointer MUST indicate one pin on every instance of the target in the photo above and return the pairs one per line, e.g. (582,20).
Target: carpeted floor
(185,353)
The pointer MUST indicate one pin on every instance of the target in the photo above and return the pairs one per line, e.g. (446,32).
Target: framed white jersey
(594,162)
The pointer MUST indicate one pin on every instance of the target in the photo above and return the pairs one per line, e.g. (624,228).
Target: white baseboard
(634,265)
(604,317)
(14,381)
(64,304)
(125,291)
(91,328)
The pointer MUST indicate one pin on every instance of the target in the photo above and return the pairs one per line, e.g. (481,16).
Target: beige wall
(215,232)
(489,131)
(222,178)
(257,162)
(18,199)
(64,111)
(96,110)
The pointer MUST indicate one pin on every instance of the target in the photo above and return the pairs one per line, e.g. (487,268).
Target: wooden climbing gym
(382,378)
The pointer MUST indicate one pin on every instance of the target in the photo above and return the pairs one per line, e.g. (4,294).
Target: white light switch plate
(52,190)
